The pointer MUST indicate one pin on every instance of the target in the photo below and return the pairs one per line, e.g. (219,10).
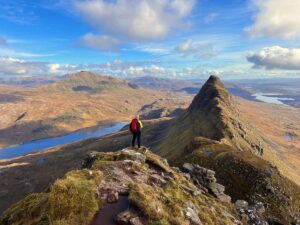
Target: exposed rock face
(206,181)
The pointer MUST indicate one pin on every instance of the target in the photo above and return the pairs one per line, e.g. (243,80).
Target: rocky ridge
(157,194)
(213,134)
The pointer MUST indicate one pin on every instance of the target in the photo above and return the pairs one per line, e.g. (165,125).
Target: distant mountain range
(161,83)
(89,82)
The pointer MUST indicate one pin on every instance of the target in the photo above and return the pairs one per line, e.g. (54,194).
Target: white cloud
(14,66)
(10,66)
(135,21)
(152,49)
(276,18)
(6,52)
(100,42)
(276,57)
(196,49)
(152,70)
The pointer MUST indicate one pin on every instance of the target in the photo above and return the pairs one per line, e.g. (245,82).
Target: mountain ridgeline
(212,133)
(213,114)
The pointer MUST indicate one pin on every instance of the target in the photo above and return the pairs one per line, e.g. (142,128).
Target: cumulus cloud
(100,42)
(196,49)
(135,21)
(10,66)
(276,57)
(14,66)
(276,18)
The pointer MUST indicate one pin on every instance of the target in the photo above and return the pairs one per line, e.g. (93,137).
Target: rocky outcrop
(251,214)
(206,181)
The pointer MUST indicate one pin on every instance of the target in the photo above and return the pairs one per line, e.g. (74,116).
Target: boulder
(241,204)
(187,167)
(133,155)
(112,196)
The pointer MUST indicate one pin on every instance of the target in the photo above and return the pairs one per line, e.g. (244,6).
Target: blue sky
(167,38)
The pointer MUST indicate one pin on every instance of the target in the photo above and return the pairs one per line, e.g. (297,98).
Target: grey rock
(241,204)
(133,155)
(191,214)
(165,161)
(206,181)
(197,192)
(187,167)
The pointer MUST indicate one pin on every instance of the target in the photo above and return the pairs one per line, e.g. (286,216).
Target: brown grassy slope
(275,121)
(56,109)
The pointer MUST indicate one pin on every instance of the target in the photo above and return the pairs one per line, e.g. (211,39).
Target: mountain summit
(211,94)
(89,82)
(213,114)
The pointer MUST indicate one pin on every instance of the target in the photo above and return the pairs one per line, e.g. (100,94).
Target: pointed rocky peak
(212,93)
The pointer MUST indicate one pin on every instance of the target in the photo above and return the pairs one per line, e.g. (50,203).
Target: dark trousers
(137,136)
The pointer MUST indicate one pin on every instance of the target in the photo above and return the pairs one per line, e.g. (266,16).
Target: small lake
(271,98)
(41,144)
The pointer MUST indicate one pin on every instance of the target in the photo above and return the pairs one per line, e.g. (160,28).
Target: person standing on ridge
(135,128)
